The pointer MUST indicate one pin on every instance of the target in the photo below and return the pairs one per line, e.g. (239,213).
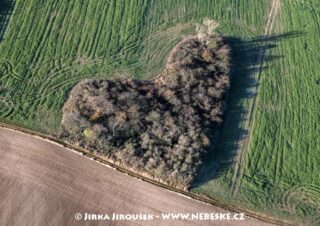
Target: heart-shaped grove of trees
(160,128)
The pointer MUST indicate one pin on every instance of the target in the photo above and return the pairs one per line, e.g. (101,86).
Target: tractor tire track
(243,146)
(250,215)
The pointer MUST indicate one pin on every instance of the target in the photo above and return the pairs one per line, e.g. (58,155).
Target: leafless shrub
(207,28)
(163,126)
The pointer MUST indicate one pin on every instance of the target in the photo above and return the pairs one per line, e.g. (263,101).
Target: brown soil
(43,183)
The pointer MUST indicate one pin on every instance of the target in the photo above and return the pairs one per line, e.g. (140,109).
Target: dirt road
(43,183)
(244,144)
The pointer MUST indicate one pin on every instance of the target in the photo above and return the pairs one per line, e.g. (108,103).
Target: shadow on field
(248,59)
(6,7)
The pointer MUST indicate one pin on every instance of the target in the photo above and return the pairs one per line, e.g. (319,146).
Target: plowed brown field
(43,183)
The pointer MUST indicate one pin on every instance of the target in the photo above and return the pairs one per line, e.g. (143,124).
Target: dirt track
(45,184)
(243,146)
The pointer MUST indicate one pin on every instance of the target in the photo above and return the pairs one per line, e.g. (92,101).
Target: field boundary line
(238,168)
(99,160)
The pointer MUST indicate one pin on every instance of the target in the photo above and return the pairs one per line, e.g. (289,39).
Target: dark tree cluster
(160,127)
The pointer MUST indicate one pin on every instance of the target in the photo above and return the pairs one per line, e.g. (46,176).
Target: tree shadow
(248,59)
(6,8)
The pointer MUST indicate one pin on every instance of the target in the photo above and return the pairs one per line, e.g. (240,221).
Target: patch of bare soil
(45,184)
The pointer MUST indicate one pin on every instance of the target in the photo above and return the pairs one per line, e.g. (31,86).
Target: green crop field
(49,46)
(280,172)
(46,47)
